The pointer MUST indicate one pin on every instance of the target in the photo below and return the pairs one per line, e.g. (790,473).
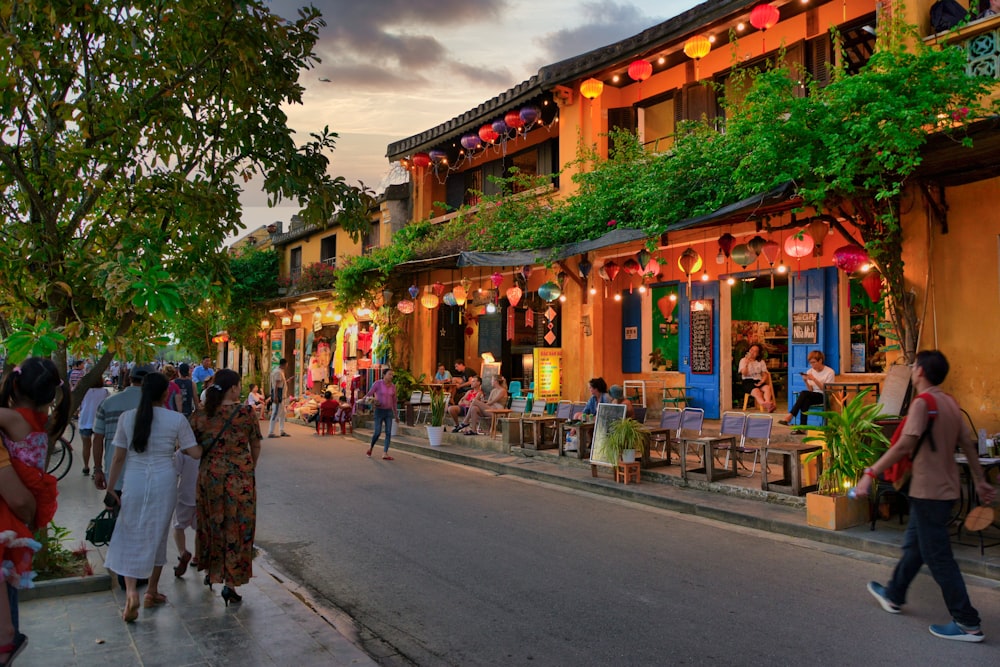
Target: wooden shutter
(819,59)
(621,118)
(699,101)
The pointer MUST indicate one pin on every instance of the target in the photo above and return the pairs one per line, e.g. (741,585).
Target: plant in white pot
(436,428)
(625,439)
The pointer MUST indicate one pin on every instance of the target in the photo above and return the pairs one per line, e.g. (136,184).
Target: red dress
(17,543)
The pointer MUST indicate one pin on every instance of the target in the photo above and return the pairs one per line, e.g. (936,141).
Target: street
(453,566)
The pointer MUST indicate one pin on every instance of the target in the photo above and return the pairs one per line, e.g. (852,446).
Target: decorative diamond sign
(550,338)
(550,313)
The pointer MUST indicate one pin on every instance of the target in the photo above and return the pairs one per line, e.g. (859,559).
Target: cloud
(603,22)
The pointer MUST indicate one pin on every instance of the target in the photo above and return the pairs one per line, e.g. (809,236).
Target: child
(343,416)
(26,394)
(184,510)
(88,411)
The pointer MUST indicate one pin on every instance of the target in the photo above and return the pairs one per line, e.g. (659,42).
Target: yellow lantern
(689,262)
(460,295)
(592,88)
(429,300)
(697,47)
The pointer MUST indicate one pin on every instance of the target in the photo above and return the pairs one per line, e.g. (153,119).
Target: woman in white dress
(146,439)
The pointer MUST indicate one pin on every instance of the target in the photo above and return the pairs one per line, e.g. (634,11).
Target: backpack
(946,14)
(900,472)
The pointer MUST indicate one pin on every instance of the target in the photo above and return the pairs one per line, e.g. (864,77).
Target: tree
(129,130)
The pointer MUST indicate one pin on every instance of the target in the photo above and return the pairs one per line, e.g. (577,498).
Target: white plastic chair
(415,399)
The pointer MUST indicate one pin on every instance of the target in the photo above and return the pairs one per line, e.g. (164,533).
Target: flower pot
(434,434)
(835,512)
(628,456)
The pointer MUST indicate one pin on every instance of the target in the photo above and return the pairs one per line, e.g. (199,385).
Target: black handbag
(100,528)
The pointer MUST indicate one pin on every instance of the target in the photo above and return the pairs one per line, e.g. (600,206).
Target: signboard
(702,362)
(607,413)
(489,372)
(276,338)
(548,372)
(491,335)
(631,333)
(804,328)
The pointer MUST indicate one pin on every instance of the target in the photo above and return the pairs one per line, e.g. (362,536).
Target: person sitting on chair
(815,378)
(497,401)
(460,410)
(618,398)
(756,379)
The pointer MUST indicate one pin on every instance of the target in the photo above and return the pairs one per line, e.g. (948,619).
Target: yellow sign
(548,373)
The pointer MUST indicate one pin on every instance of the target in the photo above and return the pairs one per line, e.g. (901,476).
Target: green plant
(625,434)
(656,358)
(55,561)
(851,439)
(405,383)
(437,408)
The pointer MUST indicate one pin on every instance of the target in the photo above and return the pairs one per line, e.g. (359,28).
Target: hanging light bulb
(317,314)
(491,308)
(618,297)
(329,313)
(704,276)
(730,280)
(297,318)
(642,288)
(265,323)
(593,290)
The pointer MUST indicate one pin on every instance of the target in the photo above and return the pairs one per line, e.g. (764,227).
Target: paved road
(452,566)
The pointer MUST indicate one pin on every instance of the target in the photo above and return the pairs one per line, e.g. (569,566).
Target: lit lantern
(764,17)
(652,268)
(592,88)
(631,267)
(818,230)
(513,119)
(429,300)
(850,257)
(405,306)
(497,279)
(689,262)
(265,323)
(421,160)
(771,250)
(611,269)
(549,291)
(514,295)
(697,47)
(873,285)
(471,142)
(460,295)
(487,134)
(798,246)
(438,289)
(286,321)
(500,127)
(726,243)
(449,299)
(297,318)
(640,70)
(414,291)
(438,157)
(530,114)
(744,255)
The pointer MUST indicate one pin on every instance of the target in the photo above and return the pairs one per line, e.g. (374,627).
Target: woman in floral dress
(227,496)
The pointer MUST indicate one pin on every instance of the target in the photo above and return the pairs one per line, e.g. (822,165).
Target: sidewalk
(277,623)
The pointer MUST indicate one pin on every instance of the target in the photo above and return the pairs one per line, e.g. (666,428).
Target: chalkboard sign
(607,413)
(804,328)
(702,362)
(895,394)
(491,334)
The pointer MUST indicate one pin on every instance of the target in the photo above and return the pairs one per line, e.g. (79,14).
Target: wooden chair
(747,397)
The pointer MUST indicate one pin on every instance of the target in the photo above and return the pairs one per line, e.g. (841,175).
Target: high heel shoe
(229,595)
(208,582)
(182,565)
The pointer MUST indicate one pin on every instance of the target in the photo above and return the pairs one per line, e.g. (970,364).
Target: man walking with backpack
(934,488)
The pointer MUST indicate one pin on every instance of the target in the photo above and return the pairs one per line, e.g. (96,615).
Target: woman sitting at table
(477,409)
(756,379)
(618,398)
(816,379)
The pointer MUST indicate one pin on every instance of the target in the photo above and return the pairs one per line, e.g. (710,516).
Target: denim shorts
(86,432)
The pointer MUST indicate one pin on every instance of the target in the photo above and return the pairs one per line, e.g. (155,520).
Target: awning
(776,200)
(543,255)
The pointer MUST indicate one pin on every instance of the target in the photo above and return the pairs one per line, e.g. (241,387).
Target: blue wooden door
(631,335)
(703,387)
(814,291)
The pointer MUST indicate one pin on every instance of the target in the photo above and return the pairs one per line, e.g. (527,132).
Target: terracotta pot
(835,512)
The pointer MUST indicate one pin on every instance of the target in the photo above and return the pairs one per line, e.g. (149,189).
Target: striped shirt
(106,423)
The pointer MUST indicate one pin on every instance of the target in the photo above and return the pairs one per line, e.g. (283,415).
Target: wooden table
(841,388)
(791,466)
(708,444)
(584,431)
(652,431)
(537,423)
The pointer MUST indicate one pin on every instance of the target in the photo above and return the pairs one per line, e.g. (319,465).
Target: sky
(393,68)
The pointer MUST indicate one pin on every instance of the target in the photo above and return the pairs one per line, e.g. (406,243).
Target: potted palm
(436,428)
(852,440)
(625,438)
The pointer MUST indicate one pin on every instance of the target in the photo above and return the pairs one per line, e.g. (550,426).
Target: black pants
(806,400)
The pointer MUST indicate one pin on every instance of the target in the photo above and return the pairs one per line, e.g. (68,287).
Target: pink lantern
(438,289)
(487,134)
(850,257)
(798,246)
(497,279)
(640,70)
(421,160)
(514,295)
(405,306)
(873,285)
(726,243)
(514,120)
(652,268)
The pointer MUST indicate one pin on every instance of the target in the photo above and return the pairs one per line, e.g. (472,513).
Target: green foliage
(406,383)
(129,133)
(437,408)
(625,434)
(54,560)
(38,340)
(851,439)
(316,276)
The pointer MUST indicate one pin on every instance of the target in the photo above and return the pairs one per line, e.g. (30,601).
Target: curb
(95,583)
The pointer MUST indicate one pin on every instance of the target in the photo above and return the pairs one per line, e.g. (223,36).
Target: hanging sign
(702,362)
(804,327)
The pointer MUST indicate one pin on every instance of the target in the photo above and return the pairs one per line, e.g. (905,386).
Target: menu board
(607,413)
(701,337)
(548,372)
(491,334)
(804,328)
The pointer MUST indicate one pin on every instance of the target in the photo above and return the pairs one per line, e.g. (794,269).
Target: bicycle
(62,458)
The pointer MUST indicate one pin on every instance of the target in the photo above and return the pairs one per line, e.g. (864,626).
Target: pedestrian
(115,370)
(88,413)
(384,392)
(147,436)
(184,511)
(174,400)
(27,394)
(226,497)
(934,489)
(279,384)
(189,397)
(76,374)
(202,373)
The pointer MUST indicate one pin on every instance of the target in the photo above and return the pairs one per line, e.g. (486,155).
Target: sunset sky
(399,67)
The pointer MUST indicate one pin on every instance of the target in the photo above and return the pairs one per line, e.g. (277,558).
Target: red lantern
(514,295)
(873,285)
(438,289)
(850,257)
(631,267)
(764,17)
(612,270)
(640,70)
(513,119)
(421,160)
(497,279)
(488,134)
(726,243)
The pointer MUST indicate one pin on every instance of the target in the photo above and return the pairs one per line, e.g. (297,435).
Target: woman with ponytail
(144,442)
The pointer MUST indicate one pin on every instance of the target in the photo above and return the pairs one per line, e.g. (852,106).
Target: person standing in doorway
(934,489)
(279,385)
(384,392)
(202,373)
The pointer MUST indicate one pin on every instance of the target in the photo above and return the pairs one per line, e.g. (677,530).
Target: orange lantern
(818,230)
(640,70)
(429,300)
(591,88)
(460,294)
(873,285)
(514,295)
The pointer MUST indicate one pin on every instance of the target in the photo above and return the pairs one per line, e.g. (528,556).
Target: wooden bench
(791,465)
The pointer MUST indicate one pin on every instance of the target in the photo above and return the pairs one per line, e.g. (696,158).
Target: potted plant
(406,384)
(436,428)
(625,438)
(852,440)
(656,359)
